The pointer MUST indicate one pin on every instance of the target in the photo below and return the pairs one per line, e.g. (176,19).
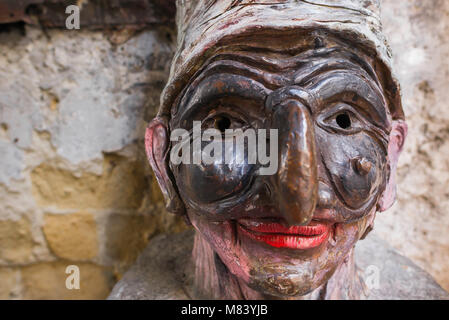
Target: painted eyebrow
(334,83)
(222,85)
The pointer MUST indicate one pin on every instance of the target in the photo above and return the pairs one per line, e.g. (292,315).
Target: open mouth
(279,236)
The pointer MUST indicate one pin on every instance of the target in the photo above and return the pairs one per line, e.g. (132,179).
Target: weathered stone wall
(74,184)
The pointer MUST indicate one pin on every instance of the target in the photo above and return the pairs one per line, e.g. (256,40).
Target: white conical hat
(206,26)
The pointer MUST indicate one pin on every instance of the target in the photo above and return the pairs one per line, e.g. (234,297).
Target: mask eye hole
(343,120)
(222,123)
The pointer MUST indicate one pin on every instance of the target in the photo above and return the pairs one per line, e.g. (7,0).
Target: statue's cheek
(355,164)
(217,177)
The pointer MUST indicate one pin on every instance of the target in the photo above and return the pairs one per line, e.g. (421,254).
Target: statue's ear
(397,138)
(157,143)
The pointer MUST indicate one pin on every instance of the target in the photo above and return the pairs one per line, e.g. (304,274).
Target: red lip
(279,236)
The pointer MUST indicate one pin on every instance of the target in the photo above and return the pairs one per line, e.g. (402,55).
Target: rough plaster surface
(417,225)
(73,107)
(85,92)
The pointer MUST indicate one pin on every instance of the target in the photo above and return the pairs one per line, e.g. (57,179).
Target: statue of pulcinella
(277,214)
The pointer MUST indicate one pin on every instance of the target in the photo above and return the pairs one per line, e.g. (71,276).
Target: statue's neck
(213,280)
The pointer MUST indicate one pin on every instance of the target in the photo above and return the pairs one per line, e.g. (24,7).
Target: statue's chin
(283,287)
(266,270)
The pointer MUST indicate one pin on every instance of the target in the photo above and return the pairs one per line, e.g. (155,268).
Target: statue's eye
(343,120)
(340,119)
(222,123)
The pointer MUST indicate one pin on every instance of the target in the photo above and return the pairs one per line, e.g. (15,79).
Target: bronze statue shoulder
(397,276)
(160,271)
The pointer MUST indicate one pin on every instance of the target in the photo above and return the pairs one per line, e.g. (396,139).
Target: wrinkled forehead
(316,61)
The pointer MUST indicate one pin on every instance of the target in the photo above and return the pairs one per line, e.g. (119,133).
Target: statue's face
(285,233)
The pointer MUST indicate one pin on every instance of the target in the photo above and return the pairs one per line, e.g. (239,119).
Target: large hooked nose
(295,184)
